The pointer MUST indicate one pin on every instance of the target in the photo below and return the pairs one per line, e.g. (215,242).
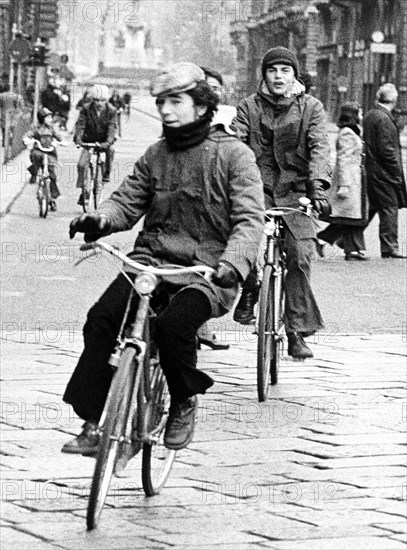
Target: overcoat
(202,205)
(92,127)
(291,147)
(386,183)
(348,194)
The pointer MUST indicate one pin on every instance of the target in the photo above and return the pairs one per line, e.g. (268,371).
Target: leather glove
(93,225)
(319,199)
(225,276)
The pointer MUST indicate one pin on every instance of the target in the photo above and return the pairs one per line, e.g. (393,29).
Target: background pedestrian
(348,194)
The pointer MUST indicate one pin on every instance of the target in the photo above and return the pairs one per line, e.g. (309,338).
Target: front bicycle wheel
(43,196)
(98,185)
(113,431)
(157,459)
(87,189)
(270,327)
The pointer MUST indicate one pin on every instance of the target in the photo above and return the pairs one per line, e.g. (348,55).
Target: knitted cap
(279,55)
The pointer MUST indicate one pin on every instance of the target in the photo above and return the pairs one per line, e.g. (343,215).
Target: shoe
(181,423)
(53,206)
(355,256)
(86,443)
(297,348)
(394,254)
(106,179)
(244,312)
(32,179)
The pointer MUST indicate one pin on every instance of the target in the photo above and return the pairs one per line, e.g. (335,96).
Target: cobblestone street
(320,465)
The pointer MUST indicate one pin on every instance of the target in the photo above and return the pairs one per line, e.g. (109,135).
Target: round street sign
(20,49)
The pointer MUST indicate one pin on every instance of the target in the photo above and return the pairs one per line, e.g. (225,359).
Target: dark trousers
(348,237)
(175,335)
(83,164)
(301,309)
(388,227)
(36,157)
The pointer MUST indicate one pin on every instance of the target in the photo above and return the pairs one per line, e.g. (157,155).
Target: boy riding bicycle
(44,133)
(202,205)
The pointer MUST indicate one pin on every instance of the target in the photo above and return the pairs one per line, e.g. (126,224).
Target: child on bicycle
(45,134)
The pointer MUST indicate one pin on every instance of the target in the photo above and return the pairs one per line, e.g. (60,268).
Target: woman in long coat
(348,194)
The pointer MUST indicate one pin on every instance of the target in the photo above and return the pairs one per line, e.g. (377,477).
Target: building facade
(349,47)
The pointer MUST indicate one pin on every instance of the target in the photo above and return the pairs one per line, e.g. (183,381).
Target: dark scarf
(187,135)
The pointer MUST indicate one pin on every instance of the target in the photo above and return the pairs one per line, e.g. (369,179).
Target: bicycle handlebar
(305,208)
(133,264)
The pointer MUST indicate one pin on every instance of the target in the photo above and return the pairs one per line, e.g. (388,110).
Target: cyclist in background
(44,132)
(286,129)
(97,123)
(202,206)
(119,105)
(127,102)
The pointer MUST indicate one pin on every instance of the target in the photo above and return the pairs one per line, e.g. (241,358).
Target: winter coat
(291,148)
(348,194)
(386,183)
(92,127)
(45,135)
(202,205)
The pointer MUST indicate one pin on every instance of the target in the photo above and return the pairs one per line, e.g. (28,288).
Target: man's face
(178,109)
(279,78)
(215,85)
(99,103)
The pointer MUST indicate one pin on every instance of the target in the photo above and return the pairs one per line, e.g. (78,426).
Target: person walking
(348,194)
(286,129)
(386,184)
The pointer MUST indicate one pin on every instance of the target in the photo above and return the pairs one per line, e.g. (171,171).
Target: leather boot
(244,312)
(297,347)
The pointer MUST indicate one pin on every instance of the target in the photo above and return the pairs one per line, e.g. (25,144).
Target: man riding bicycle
(97,123)
(202,205)
(287,131)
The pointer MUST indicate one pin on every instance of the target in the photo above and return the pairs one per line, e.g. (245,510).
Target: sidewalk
(320,465)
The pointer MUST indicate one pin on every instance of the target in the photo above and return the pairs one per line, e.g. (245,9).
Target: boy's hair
(349,114)
(214,74)
(204,96)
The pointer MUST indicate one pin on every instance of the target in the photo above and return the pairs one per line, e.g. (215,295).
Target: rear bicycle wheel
(157,459)
(113,431)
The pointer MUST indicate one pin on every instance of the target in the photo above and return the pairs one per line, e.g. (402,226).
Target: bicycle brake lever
(86,246)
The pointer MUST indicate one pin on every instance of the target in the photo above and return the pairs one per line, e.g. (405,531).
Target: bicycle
(137,405)
(270,318)
(92,190)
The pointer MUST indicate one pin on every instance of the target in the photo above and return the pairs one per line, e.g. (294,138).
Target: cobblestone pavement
(320,465)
